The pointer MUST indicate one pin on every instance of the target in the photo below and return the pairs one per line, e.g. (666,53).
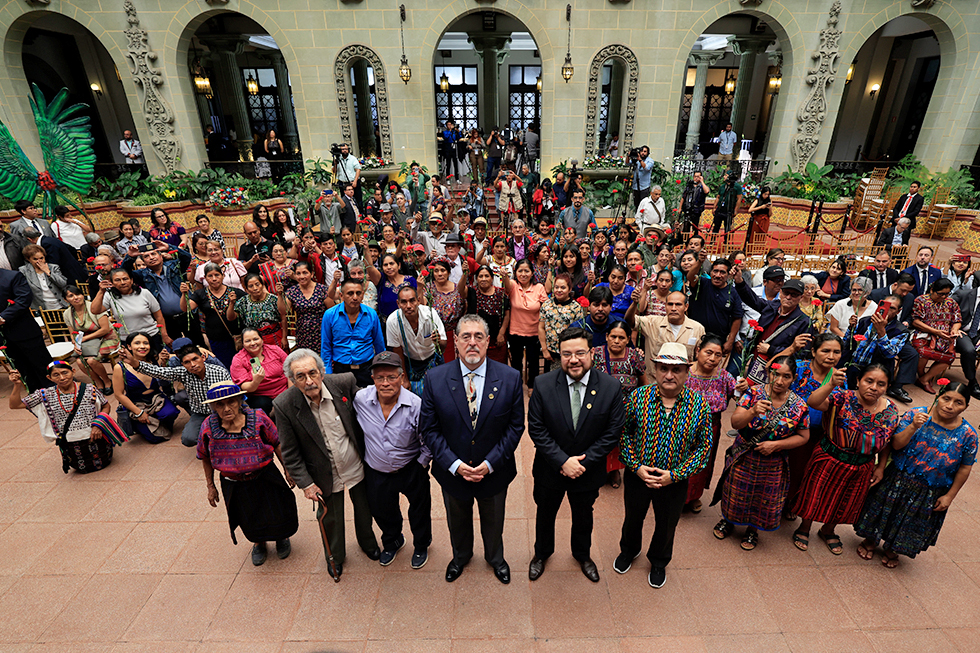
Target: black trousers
(967,350)
(638,195)
(459,518)
(667,502)
(362,374)
(333,523)
(518,346)
(383,489)
(261,402)
(721,220)
(177,327)
(548,499)
(30,358)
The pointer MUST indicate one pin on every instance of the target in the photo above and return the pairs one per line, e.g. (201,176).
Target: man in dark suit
(323,448)
(883,274)
(896,235)
(966,344)
(924,273)
(29,217)
(902,288)
(575,418)
(472,430)
(11,251)
(908,205)
(23,341)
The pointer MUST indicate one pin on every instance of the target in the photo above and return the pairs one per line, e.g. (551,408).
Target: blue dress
(137,392)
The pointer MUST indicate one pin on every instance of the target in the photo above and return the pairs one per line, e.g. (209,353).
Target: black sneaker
(623,563)
(658,576)
(259,554)
(419,558)
(387,557)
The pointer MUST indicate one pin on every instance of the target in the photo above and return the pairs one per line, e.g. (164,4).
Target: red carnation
(759,329)
(425,273)
(668,231)
(943,382)
(753,323)
(116,325)
(10,301)
(615,191)
(344,399)
(592,225)
(870,267)
(678,181)
(639,239)
(3,346)
(90,259)
(860,338)
(584,301)
(817,302)
(638,267)
(776,366)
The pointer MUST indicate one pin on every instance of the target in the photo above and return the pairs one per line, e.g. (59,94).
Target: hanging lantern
(404,71)
(252,85)
(444,82)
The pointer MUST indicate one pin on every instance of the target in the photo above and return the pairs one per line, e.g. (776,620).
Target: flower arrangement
(750,192)
(375,162)
(605,162)
(228,198)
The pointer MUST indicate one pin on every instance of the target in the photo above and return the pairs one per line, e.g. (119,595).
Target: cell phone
(883,309)
(256,365)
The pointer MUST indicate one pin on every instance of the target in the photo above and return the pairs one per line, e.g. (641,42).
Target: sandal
(750,540)
(889,559)
(694,506)
(865,550)
(723,529)
(801,540)
(833,542)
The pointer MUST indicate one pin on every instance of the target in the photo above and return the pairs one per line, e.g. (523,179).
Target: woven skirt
(833,492)
(754,489)
(264,507)
(85,456)
(899,513)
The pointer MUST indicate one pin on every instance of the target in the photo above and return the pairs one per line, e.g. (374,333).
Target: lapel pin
(495,389)
(588,406)
(490,397)
(593,393)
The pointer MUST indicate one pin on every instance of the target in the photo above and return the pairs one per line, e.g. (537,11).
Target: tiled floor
(133,559)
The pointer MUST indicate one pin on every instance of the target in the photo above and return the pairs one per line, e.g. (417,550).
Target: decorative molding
(157,112)
(344,58)
(813,110)
(922,4)
(592,101)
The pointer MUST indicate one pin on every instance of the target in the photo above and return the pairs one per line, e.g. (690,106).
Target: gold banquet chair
(62,346)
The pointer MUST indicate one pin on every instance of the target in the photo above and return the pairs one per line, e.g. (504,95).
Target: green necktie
(576,402)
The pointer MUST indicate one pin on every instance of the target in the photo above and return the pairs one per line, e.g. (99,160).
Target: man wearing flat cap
(666,438)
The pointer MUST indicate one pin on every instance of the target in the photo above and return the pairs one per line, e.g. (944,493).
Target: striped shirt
(197,388)
(677,440)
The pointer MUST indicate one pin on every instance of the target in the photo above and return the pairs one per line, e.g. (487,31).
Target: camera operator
(495,150)
(447,149)
(415,184)
(346,167)
(574,180)
(642,167)
(692,205)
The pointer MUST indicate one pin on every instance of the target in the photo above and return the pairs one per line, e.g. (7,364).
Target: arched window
(613,77)
(362,95)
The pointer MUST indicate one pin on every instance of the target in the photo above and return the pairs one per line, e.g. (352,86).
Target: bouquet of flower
(750,192)
(228,198)
(605,162)
(374,162)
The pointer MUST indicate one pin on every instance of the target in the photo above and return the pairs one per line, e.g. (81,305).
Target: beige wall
(660,33)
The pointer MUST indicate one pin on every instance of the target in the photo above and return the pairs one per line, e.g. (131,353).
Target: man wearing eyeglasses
(575,417)
(472,420)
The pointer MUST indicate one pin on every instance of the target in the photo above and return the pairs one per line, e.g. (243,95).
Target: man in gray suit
(323,448)
(29,217)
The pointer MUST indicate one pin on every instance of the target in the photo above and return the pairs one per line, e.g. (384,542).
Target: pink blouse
(272,360)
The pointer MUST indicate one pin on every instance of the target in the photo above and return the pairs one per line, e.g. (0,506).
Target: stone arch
(426,52)
(344,59)
(174,57)
(624,54)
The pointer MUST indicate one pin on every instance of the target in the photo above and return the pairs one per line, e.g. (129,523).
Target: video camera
(335,151)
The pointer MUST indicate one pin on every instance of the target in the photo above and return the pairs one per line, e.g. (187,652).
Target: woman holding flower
(937,320)
(447,298)
(811,305)
(846,313)
(558,312)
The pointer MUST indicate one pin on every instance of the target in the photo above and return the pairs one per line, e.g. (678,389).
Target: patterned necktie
(576,402)
(471,398)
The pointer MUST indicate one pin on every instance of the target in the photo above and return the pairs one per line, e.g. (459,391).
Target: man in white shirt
(131,149)
(651,210)
(347,169)
(726,143)
(434,240)
(412,332)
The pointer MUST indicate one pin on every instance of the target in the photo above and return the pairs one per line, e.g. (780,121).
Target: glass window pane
(606,74)
(370,76)
(455,75)
(531,74)
(471,74)
(516,74)
(266,77)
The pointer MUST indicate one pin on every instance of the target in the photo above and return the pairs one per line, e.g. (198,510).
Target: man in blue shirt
(350,335)
(726,143)
(641,176)
(715,304)
(163,278)
(596,323)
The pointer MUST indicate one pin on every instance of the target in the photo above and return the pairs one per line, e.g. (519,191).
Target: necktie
(881,279)
(576,402)
(36,228)
(975,323)
(923,285)
(471,398)
(906,207)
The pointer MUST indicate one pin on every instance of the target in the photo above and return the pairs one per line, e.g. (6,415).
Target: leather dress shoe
(590,570)
(373,554)
(536,568)
(975,391)
(454,571)
(502,573)
(899,394)
(259,554)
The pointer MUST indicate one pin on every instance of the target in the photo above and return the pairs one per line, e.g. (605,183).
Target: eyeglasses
(390,378)
(314,374)
(567,355)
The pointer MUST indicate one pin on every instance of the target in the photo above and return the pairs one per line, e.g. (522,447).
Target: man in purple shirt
(396,460)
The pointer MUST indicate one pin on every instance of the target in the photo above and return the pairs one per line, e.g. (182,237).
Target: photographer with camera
(495,151)
(642,167)
(574,180)
(346,167)
(692,205)
(447,149)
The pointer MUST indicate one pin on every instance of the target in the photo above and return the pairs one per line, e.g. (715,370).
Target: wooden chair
(59,334)
(291,330)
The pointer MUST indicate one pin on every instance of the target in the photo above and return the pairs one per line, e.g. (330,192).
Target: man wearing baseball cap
(434,239)
(386,218)
(666,439)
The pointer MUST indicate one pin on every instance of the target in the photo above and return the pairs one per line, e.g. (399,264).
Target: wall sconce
(775,82)
(567,70)
(252,85)
(874,90)
(96,89)
(539,84)
(403,70)
(850,74)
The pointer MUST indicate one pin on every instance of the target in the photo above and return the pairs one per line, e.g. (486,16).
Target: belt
(352,366)
(846,457)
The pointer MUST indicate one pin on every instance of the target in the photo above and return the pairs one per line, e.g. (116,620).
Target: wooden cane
(331,565)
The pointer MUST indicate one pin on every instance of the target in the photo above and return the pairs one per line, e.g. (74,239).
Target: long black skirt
(264,507)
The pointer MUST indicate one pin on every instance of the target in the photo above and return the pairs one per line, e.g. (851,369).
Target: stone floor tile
(102,609)
(181,608)
(150,548)
(257,609)
(565,603)
(726,601)
(32,603)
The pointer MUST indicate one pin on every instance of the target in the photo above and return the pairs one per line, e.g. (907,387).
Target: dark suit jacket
(549,423)
(447,430)
(905,314)
(885,239)
(914,208)
(891,275)
(303,449)
(967,301)
(843,286)
(19,324)
(13,251)
(65,258)
(934,275)
(768,310)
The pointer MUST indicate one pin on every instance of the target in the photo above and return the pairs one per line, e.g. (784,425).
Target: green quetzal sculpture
(66,142)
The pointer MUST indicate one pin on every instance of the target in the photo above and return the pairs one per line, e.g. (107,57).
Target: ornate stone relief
(813,110)
(157,112)
(341,65)
(592,102)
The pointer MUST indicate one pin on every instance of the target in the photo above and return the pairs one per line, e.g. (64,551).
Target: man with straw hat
(666,439)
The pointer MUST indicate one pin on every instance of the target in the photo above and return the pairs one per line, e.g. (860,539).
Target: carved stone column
(701,59)
(290,135)
(225,57)
(491,50)
(747,48)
